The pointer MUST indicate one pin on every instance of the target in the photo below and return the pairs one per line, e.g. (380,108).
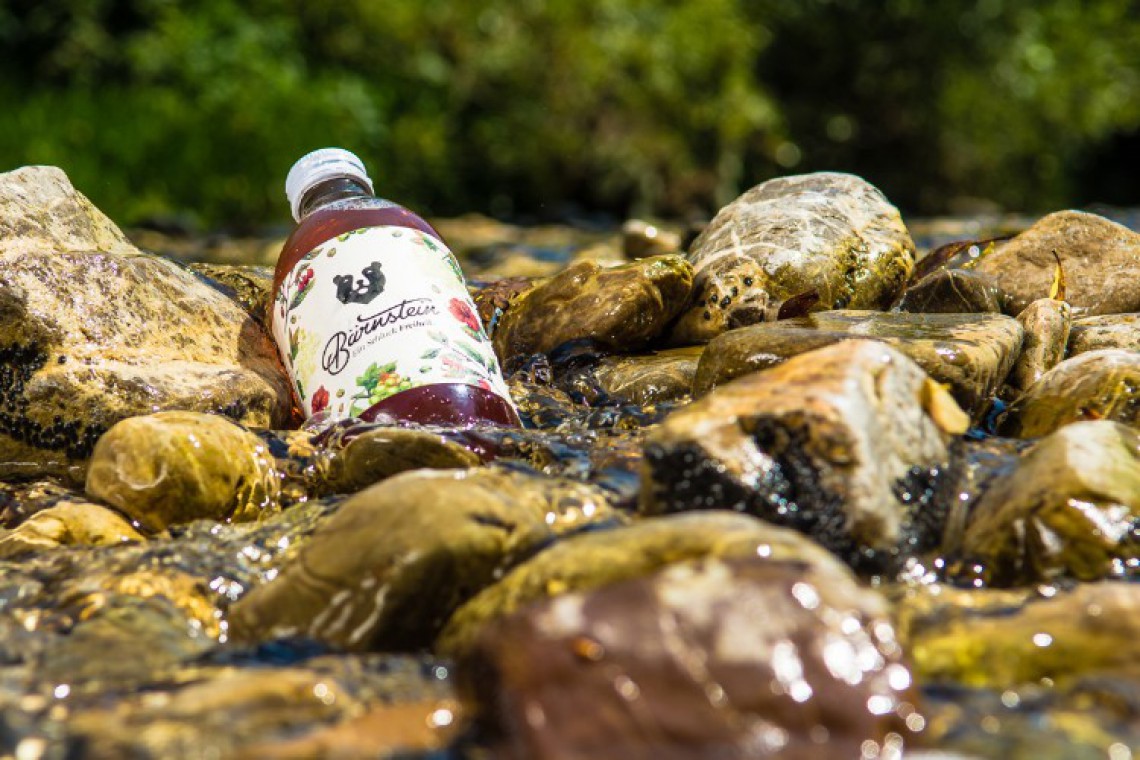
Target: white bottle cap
(318,166)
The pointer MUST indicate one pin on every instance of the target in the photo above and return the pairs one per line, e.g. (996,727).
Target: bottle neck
(329,191)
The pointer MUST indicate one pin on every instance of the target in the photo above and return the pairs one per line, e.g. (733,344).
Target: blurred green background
(547,109)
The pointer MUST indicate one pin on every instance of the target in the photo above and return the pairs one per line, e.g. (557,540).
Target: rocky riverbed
(788,486)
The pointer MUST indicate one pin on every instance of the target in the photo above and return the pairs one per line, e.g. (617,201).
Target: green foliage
(157,107)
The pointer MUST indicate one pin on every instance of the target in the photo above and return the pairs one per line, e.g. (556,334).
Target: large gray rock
(834,234)
(970,353)
(93,331)
(845,443)
(1100,258)
(729,659)
(1071,507)
(1096,385)
(1105,331)
(388,568)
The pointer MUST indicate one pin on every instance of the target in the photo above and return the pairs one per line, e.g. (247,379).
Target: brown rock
(1106,331)
(1047,323)
(1100,258)
(844,443)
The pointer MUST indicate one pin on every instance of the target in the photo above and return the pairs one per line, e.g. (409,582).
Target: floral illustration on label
(391,312)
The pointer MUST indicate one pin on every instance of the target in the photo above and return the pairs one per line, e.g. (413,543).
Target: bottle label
(376,311)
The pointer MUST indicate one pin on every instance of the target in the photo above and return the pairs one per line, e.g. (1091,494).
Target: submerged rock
(620,307)
(830,233)
(174,467)
(93,331)
(844,443)
(972,353)
(600,558)
(729,659)
(67,524)
(1107,331)
(1071,507)
(387,569)
(953,291)
(1047,323)
(380,453)
(1096,385)
(1101,261)
(647,380)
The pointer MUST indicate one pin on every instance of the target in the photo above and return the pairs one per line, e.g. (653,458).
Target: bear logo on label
(363,290)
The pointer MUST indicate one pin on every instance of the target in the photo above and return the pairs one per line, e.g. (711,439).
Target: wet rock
(383,452)
(1101,261)
(250,286)
(953,291)
(729,659)
(173,467)
(620,307)
(830,233)
(67,524)
(970,353)
(1107,331)
(1095,385)
(1072,507)
(387,569)
(596,559)
(640,240)
(93,331)
(647,380)
(1047,323)
(1001,640)
(313,705)
(396,730)
(845,443)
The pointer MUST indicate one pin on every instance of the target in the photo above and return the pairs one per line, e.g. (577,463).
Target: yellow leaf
(1057,290)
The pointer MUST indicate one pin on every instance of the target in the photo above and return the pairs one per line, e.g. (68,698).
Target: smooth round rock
(1047,323)
(1096,385)
(1100,260)
(68,523)
(619,307)
(832,234)
(734,659)
(175,467)
(386,570)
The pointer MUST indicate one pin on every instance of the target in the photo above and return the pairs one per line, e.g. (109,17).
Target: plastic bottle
(370,311)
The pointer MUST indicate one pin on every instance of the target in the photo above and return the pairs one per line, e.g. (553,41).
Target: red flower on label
(465,314)
(320,399)
(306,278)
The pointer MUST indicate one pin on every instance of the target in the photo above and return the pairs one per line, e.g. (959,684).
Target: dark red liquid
(436,404)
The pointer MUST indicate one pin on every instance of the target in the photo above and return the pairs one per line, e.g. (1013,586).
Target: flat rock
(250,286)
(1002,640)
(391,564)
(845,443)
(828,233)
(1070,508)
(1047,323)
(1106,331)
(1100,258)
(647,380)
(1095,385)
(93,331)
(953,291)
(755,658)
(174,467)
(619,307)
(596,559)
(971,353)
